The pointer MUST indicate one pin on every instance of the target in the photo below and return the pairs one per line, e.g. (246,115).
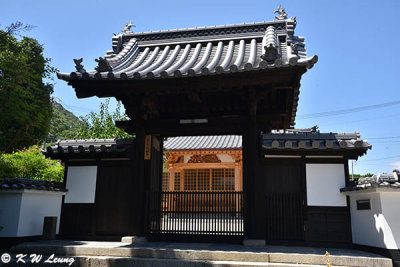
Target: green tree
(25,107)
(64,124)
(102,124)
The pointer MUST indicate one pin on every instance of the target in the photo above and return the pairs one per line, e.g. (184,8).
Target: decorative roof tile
(201,51)
(314,141)
(24,183)
(387,180)
(89,147)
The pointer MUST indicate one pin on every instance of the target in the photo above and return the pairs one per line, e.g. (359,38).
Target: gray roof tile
(277,140)
(203,142)
(202,51)
(25,183)
(89,146)
(387,180)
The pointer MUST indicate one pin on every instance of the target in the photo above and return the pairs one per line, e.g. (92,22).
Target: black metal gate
(196,213)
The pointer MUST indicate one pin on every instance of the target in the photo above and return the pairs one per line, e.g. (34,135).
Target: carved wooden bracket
(210,158)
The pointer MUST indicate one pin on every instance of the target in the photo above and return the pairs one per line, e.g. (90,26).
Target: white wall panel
(81,184)
(323,184)
(36,206)
(22,211)
(379,226)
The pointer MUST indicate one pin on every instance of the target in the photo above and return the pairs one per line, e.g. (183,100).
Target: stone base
(133,239)
(254,242)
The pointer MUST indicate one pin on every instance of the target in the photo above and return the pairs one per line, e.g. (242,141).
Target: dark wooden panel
(328,224)
(114,201)
(285,198)
(76,219)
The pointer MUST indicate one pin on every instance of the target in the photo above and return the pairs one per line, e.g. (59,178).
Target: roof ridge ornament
(78,66)
(282,15)
(127,28)
(103,65)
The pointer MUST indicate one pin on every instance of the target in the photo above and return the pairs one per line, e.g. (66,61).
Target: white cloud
(395,164)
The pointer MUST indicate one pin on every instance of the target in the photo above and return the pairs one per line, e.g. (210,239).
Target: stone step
(202,254)
(105,261)
(153,262)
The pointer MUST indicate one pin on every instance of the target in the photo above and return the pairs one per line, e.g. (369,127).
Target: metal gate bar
(196,213)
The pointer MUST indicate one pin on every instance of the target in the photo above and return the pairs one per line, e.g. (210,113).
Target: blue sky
(356,41)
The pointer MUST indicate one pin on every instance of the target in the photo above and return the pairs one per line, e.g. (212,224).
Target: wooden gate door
(114,199)
(285,200)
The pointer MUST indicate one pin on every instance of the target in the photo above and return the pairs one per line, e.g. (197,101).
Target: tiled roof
(89,146)
(200,51)
(384,180)
(203,142)
(314,141)
(24,183)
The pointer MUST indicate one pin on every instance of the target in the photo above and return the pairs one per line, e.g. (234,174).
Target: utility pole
(352,170)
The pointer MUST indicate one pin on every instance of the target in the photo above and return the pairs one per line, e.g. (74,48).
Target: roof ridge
(225,26)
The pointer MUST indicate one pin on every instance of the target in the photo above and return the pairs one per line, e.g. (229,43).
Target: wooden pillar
(250,167)
(238,180)
(140,201)
(171,182)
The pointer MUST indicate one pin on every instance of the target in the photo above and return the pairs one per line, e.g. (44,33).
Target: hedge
(30,163)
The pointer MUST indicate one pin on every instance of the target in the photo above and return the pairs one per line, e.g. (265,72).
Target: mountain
(62,124)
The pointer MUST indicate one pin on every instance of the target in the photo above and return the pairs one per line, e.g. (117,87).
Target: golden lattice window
(217,179)
(190,179)
(177,181)
(165,181)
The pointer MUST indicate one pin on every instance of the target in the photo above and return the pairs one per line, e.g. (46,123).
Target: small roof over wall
(383,180)
(315,141)
(90,148)
(11,184)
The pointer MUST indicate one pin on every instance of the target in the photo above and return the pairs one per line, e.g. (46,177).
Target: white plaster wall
(34,207)
(81,184)
(390,202)
(323,184)
(10,203)
(363,226)
(380,226)
(22,212)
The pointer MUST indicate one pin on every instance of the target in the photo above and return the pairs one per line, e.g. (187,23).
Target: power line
(349,110)
(71,107)
(368,119)
(386,137)
(391,157)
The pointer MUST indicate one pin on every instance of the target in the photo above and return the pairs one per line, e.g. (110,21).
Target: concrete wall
(81,184)
(22,211)
(323,185)
(379,226)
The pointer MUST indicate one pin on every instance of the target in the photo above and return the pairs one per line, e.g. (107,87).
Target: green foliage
(30,163)
(102,124)
(25,107)
(356,176)
(64,124)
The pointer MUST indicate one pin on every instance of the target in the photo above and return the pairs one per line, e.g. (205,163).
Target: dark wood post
(139,175)
(250,162)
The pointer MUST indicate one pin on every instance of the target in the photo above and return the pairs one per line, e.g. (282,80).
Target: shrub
(30,163)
